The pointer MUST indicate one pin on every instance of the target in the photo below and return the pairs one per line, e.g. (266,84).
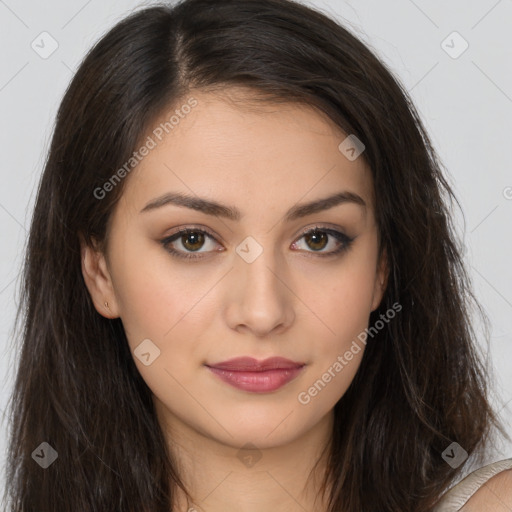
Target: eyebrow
(210,207)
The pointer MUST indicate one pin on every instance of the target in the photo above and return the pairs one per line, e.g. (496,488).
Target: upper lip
(253,365)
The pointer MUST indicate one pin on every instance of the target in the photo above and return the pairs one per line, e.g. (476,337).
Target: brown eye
(193,240)
(317,240)
(186,242)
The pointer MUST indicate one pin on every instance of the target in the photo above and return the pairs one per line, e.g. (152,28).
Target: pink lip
(250,374)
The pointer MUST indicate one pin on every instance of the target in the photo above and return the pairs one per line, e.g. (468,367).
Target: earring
(106,305)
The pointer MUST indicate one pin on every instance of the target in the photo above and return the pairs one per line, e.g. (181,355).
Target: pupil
(318,237)
(197,239)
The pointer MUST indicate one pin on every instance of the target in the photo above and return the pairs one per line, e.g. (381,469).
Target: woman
(242,287)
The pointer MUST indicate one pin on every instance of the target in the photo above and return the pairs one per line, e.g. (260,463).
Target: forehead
(239,151)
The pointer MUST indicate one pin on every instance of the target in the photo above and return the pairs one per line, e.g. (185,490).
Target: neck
(218,477)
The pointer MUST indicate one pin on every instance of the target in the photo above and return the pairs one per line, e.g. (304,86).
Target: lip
(249,374)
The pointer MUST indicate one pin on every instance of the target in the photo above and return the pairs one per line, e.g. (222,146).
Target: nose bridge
(260,269)
(257,266)
(260,300)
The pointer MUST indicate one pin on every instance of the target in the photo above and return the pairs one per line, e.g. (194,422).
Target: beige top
(459,494)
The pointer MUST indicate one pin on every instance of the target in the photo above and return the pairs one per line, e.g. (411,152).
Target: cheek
(344,308)
(151,299)
(344,303)
(160,315)
(337,354)
(350,307)
(165,303)
(346,315)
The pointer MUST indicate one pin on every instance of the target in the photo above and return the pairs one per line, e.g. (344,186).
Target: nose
(259,297)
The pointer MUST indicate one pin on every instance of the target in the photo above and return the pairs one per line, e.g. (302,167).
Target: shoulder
(495,495)
(488,488)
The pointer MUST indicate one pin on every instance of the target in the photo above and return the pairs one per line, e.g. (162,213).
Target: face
(261,273)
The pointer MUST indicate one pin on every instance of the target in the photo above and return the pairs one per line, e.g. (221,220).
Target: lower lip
(257,382)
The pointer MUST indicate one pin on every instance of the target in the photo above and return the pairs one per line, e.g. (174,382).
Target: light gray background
(465,102)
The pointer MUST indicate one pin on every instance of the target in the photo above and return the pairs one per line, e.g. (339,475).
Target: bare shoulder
(494,496)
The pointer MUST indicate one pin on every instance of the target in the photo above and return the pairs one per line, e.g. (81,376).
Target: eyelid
(319,226)
(193,227)
(172,237)
(339,234)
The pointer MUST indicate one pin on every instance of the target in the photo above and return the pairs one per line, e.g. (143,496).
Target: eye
(319,238)
(190,239)
(199,241)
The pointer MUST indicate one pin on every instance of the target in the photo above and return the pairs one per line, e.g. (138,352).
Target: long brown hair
(420,386)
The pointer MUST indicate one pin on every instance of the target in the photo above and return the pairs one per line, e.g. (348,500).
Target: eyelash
(345,241)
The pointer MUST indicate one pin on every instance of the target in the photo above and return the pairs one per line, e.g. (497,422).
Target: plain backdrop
(461,84)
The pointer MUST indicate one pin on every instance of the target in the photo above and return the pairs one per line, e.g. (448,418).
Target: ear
(381,280)
(98,280)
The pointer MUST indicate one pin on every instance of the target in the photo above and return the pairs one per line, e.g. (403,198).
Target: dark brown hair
(420,385)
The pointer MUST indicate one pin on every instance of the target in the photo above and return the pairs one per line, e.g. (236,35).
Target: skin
(494,496)
(289,302)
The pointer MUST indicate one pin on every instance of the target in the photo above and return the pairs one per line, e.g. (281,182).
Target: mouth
(249,374)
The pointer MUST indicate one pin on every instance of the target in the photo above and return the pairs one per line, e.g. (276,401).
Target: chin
(264,430)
